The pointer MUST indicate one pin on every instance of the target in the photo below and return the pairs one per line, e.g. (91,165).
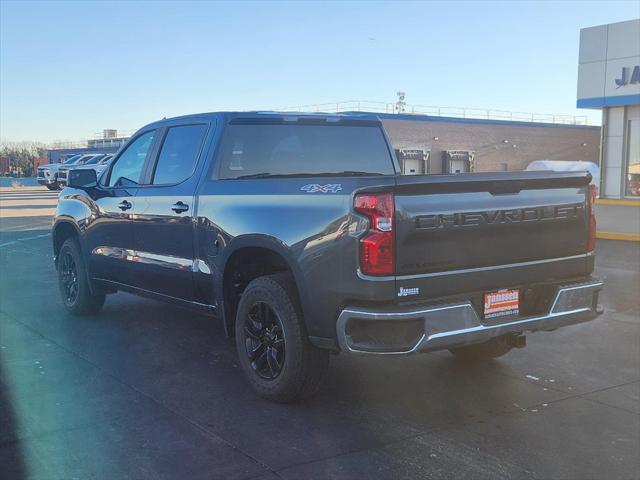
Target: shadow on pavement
(11,457)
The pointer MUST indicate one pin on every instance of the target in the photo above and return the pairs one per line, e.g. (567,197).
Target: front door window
(128,167)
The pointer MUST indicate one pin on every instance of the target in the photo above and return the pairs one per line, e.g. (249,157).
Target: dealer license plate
(501,303)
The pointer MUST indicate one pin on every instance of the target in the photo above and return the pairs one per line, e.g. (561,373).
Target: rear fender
(256,241)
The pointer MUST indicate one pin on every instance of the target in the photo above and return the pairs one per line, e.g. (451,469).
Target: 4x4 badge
(316,188)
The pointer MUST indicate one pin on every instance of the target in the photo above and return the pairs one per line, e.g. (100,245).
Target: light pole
(400,104)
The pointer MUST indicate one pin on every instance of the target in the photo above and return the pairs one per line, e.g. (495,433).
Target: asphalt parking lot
(146,390)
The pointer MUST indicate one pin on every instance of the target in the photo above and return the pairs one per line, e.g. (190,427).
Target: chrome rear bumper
(445,326)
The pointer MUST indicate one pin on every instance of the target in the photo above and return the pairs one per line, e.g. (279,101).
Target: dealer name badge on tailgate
(501,303)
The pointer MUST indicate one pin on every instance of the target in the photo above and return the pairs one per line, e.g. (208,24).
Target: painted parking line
(19,240)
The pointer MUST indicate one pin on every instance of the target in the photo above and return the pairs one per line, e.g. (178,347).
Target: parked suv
(298,234)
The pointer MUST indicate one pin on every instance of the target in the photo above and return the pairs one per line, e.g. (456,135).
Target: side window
(128,167)
(178,154)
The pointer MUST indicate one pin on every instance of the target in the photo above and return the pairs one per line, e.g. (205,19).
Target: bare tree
(21,155)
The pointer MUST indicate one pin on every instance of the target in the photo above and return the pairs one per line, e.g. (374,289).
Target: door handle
(180,207)
(124,205)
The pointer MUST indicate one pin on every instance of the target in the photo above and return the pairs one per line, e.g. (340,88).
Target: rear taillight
(376,247)
(591,239)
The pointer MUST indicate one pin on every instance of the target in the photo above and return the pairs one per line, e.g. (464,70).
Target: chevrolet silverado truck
(297,232)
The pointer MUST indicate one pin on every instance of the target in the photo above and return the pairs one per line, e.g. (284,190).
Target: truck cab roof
(276,117)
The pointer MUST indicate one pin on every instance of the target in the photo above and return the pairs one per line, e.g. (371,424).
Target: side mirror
(82,178)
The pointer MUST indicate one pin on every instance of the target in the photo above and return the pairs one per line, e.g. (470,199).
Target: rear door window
(178,154)
(249,150)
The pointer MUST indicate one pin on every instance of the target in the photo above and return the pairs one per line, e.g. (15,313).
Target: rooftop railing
(455,112)
(98,140)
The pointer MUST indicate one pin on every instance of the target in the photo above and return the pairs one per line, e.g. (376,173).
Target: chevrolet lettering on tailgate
(498,217)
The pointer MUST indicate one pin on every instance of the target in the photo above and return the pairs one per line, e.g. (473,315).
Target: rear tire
(494,348)
(274,350)
(73,281)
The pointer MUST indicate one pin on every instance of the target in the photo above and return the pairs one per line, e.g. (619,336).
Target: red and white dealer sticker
(501,303)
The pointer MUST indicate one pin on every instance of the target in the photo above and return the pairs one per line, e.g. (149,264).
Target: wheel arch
(246,258)
(63,229)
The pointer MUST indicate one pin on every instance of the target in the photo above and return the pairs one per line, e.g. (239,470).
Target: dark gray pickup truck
(297,232)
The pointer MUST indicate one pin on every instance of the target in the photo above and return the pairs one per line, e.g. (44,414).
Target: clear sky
(70,69)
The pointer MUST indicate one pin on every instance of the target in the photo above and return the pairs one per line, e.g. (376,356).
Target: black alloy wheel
(264,341)
(274,350)
(69,273)
(73,281)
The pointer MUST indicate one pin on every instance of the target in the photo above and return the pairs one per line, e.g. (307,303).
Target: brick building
(488,145)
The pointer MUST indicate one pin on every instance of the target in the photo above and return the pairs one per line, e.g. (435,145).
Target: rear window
(263,150)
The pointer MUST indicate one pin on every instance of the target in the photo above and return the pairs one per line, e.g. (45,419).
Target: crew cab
(297,232)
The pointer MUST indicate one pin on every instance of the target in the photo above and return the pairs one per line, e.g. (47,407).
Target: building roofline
(515,123)
(612,23)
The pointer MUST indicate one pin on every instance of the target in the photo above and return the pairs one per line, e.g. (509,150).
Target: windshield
(71,160)
(94,160)
(84,159)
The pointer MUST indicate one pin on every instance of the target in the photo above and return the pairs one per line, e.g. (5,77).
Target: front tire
(73,281)
(482,352)
(52,187)
(274,351)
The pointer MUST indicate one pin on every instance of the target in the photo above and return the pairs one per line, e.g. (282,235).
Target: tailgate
(447,223)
